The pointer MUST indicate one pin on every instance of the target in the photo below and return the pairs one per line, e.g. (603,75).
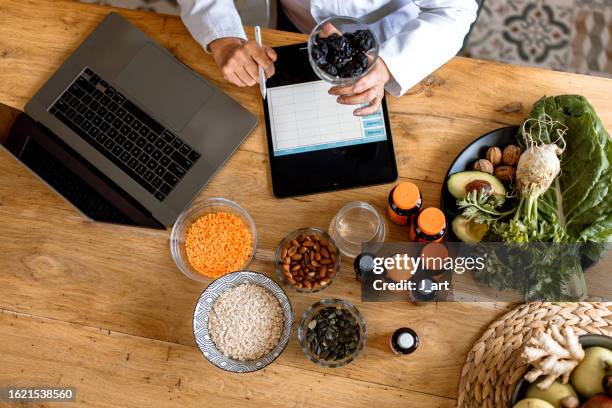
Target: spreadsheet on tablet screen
(305,117)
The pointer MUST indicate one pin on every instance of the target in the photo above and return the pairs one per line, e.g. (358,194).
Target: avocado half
(468,231)
(457,182)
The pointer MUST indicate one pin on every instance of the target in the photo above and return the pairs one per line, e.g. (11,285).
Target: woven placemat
(493,367)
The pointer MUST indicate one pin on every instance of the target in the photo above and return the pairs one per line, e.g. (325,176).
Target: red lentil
(218,243)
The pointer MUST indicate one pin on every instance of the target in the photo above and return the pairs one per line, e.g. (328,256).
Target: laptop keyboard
(123,133)
(65,182)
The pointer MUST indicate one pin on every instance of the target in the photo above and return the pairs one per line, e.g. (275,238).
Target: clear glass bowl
(343,24)
(311,312)
(191,214)
(357,223)
(293,235)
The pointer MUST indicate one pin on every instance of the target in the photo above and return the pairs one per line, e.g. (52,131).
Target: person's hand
(370,89)
(239,60)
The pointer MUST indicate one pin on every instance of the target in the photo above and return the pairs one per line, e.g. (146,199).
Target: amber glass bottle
(404,202)
(429,225)
(404,341)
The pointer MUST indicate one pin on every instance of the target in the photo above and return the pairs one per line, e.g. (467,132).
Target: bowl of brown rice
(242,322)
(212,238)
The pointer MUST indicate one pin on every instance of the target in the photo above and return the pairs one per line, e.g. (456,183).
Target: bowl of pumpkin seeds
(332,333)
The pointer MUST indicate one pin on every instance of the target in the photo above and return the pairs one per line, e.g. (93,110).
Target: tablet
(316,144)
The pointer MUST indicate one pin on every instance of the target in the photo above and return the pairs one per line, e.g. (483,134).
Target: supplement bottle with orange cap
(404,202)
(434,266)
(429,225)
(434,255)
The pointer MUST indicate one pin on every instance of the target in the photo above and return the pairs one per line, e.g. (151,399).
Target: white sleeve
(208,20)
(427,42)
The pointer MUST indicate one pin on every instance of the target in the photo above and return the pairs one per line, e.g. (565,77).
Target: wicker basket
(492,367)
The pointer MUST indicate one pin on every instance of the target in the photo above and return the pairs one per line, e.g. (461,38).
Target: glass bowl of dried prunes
(342,49)
(332,333)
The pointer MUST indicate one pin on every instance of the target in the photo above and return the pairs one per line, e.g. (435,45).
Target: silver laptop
(125,131)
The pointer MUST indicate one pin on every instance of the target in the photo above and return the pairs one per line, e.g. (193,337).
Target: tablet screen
(304,117)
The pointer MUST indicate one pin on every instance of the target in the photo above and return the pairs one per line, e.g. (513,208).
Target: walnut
(483,165)
(505,174)
(511,154)
(494,155)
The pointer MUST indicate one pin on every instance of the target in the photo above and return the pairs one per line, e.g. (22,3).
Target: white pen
(262,75)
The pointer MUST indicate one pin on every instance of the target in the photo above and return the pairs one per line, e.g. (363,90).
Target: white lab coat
(417,36)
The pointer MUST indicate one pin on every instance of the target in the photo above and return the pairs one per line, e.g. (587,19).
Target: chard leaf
(579,201)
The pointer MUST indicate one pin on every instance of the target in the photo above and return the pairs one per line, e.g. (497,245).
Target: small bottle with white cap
(404,341)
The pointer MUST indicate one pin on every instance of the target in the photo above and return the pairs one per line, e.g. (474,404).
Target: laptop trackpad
(167,89)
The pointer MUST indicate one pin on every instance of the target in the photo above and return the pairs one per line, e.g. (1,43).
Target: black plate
(476,150)
(465,160)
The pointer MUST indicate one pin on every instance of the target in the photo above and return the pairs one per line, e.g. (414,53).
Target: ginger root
(552,354)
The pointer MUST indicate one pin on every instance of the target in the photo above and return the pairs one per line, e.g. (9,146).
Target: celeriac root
(537,168)
(547,122)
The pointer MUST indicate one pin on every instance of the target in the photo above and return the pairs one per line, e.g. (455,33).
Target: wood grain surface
(104,309)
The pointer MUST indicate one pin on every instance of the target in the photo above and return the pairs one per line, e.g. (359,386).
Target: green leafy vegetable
(482,208)
(575,208)
(538,270)
(578,200)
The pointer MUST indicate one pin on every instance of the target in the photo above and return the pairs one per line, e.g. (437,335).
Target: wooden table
(103,308)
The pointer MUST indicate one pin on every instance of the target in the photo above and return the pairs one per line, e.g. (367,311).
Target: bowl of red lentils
(212,238)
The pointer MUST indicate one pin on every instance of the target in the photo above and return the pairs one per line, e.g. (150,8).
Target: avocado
(468,231)
(458,182)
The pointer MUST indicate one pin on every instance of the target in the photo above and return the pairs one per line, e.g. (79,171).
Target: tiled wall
(567,35)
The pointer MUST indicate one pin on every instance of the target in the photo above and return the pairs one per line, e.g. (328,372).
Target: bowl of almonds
(308,260)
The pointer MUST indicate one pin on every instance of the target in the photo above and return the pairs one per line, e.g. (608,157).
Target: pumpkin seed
(333,333)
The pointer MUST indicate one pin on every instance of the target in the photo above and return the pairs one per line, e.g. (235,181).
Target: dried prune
(363,40)
(330,69)
(351,69)
(320,54)
(343,55)
(339,61)
(361,59)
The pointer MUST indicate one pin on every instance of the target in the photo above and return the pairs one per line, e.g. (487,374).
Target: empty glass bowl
(357,223)
(311,313)
(189,216)
(341,25)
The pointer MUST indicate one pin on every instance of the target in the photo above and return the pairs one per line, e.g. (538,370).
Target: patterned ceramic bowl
(202,311)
